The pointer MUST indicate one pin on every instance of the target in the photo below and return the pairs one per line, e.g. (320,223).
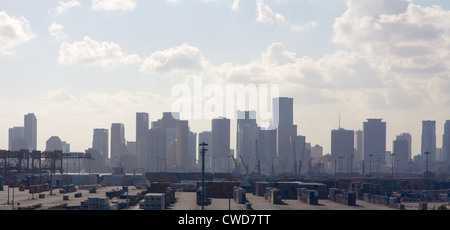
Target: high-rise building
(182,146)
(142,126)
(54,143)
(192,147)
(220,149)
(100,141)
(374,145)
(357,161)
(267,150)
(156,160)
(16,139)
(246,136)
(407,137)
(401,148)
(30,132)
(284,115)
(429,142)
(342,148)
(446,145)
(118,142)
(316,151)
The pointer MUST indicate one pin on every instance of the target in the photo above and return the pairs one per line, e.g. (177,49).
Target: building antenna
(339,119)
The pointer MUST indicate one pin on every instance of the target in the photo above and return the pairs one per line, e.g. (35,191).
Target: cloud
(13,32)
(235,5)
(266,15)
(114,5)
(180,58)
(91,53)
(59,95)
(64,7)
(56,30)
(404,37)
(297,27)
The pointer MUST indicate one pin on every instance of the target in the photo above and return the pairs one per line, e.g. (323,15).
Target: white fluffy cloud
(181,58)
(13,32)
(266,15)
(57,31)
(405,37)
(113,5)
(91,53)
(64,7)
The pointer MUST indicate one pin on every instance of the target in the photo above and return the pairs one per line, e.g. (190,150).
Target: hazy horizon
(81,65)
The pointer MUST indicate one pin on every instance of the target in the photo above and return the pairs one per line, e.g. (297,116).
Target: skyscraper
(342,148)
(429,141)
(246,136)
(182,146)
(16,139)
(286,130)
(100,142)
(374,144)
(407,137)
(267,150)
(220,148)
(118,143)
(142,126)
(357,160)
(30,131)
(401,148)
(446,145)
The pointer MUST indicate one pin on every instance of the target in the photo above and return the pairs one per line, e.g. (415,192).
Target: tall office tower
(286,130)
(401,150)
(192,147)
(446,145)
(142,126)
(267,150)
(301,155)
(342,149)
(118,143)
(374,145)
(156,159)
(284,115)
(220,150)
(16,139)
(100,141)
(429,142)
(205,137)
(30,132)
(182,146)
(246,136)
(407,137)
(357,160)
(53,143)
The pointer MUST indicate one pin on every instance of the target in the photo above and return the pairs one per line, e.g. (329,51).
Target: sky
(84,64)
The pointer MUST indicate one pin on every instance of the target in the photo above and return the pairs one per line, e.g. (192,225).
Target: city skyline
(318,52)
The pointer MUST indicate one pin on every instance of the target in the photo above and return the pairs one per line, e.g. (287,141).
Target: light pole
(370,173)
(392,179)
(426,193)
(203,173)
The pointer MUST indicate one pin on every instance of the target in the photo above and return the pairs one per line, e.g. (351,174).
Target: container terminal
(183,191)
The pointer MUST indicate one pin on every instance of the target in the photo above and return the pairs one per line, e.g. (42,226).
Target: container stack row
(342,196)
(153,201)
(99,203)
(239,195)
(273,195)
(307,196)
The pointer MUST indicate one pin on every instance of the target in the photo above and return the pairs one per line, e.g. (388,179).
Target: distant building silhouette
(30,132)
(142,127)
(17,139)
(357,160)
(401,150)
(446,145)
(246,136)
(342,149)
(53,143)
(100,142)
(118,142)
(374,145)
(220,150)
(205,137)
(429,142)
